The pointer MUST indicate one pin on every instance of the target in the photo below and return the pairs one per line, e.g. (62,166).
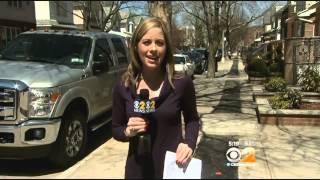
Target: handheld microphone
(144,106)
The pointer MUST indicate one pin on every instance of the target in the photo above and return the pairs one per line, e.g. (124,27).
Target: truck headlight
(42,102)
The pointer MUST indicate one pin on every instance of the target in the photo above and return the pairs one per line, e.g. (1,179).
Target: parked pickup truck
(53,86)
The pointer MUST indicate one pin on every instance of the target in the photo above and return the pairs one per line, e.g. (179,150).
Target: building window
(61,8)
(300,5)
(2,38)
(300,29)
(15,4)
(8,33)
(58,8)
(64,11)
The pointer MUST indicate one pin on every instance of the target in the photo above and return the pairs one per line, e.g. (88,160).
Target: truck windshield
(72,51)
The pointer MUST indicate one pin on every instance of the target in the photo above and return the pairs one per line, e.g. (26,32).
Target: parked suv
(53,86)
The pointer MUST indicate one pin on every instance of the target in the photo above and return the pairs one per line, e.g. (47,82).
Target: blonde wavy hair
(131,76)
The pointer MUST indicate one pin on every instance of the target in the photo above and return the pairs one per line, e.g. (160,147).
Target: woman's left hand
(183,154)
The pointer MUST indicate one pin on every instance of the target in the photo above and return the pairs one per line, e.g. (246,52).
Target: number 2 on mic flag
(142,106)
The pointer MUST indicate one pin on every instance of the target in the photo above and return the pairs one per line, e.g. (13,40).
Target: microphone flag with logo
(144,106)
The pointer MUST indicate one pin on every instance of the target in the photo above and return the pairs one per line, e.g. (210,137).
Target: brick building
(252,35)
(15,17)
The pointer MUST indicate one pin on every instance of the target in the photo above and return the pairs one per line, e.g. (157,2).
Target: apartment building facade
(15,17)
(54,15)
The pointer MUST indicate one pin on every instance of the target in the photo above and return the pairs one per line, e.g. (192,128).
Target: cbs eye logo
(233,155)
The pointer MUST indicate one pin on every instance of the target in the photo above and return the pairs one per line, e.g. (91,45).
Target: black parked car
(204,56)
(196,57)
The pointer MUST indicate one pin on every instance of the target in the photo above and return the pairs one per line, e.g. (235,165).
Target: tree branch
(71,12)
(192,14)
(237,26)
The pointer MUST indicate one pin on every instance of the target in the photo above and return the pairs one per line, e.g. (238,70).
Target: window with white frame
(15,4)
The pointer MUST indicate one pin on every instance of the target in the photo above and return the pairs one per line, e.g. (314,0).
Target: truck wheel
(71,142)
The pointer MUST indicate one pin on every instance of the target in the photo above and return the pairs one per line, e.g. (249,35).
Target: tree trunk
(208,21)
(87,15)
(163,10)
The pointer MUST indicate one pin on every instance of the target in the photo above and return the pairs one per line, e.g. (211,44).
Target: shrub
(276,85)
(309,80)
(267,58)
(257,68)
(277,102)
(277,66)
(291,98)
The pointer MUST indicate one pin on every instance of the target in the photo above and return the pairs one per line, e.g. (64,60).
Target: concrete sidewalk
(227,113)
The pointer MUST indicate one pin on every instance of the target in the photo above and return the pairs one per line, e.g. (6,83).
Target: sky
(264,5)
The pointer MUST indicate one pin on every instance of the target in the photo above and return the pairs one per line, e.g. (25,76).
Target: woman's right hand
(136,125)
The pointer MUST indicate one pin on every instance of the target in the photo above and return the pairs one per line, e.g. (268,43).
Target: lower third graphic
(244,157)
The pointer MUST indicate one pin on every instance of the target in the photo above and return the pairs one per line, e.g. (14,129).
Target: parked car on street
(199,62)
(53,86)
(204,56)
(183,64)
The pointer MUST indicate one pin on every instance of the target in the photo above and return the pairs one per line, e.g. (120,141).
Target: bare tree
(162,9)
(234,19)
(219,17)
(178,38)
(199,26)
(101,14)
(211,22)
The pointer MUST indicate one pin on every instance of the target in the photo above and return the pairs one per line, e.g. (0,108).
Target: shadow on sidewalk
(230,100)
(212,151)
(234,71)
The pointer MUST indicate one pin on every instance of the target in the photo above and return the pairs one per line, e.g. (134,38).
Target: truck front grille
(7,104)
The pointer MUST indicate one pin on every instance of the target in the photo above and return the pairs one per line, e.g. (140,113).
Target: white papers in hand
(173,171)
